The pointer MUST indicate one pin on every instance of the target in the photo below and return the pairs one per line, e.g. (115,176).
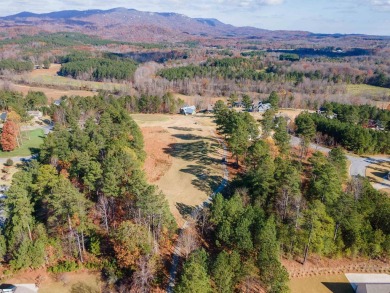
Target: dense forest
(85,202)
(82,66)
(282,205)
(15,65)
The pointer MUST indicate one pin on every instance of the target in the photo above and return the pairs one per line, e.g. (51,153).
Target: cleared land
(59,283)
(54,86)
(184,159)
(31,142)
(321,284)
(367,90)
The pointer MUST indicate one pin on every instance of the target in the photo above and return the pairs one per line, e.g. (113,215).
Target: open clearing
(31,142)
(367,90)
(321,284)
(183,158)
(54,86)
(59,283)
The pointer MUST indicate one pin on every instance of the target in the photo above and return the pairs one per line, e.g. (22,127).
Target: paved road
(358,164)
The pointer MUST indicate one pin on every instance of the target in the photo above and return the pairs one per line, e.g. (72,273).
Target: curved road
(358,164)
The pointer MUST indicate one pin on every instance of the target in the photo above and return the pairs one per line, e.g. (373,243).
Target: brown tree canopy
(8,136)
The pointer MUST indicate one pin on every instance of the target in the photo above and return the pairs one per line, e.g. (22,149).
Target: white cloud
(381,3)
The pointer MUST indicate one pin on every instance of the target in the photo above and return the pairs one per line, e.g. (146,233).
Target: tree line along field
(85,202)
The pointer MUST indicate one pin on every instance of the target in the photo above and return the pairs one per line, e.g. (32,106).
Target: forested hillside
(85,203)
(282,206)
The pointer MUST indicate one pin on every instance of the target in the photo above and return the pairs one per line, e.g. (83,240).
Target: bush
(9,163)
(65,266)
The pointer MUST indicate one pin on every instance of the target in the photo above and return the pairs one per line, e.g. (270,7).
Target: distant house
(189,110)
(35,114)
(260,107)
(57,102)
(3,116)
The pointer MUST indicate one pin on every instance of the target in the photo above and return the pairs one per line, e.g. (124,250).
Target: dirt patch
(317,266)
(52,71)
(157,162)
(7,172)
(321,284)
(59,283)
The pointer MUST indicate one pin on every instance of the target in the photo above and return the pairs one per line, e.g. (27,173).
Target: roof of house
(26,288)
(369,283)
(3,116)
(188,109)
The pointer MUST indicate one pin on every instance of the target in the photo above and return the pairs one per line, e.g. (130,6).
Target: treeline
(357,114)
(85,203)
(98,69)
(352,137)
(16,65)
(279,206)
(380,79)
(13,101)
(227,68)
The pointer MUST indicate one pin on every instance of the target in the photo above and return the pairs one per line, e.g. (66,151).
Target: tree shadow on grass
(192,151)
(184,210)
(203,181)
(34,151)
(183,128)
(187,136)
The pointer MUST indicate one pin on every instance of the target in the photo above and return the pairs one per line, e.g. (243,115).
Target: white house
(189,110)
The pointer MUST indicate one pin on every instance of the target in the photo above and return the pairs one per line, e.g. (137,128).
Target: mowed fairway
(183,159)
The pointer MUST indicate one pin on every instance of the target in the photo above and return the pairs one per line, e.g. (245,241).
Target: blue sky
(320,16)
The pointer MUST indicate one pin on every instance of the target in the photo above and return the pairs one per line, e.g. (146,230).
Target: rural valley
(155,152)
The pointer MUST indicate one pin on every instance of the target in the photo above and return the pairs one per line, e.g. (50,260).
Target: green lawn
(31,142)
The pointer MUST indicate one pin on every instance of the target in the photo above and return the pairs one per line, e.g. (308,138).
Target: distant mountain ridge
(138,26)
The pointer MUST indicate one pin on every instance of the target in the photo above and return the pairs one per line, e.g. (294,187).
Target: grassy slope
(364,89)
(29,145)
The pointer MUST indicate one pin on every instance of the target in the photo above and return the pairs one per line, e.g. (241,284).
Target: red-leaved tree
(8,136)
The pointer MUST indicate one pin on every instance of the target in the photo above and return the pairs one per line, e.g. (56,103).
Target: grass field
(49,78)
(321,284)
(80,281)
(32,141)
(369,90)
(183,159)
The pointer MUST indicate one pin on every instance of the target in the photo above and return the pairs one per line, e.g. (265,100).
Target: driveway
(358,164)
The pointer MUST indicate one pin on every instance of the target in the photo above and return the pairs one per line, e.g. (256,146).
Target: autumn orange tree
(9,136)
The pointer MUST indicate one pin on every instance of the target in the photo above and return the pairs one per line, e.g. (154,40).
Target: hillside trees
(87,195)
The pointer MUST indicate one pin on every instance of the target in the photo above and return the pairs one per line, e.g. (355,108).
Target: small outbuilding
(189,110)
(3,116)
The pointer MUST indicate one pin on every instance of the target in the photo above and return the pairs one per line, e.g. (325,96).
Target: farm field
(367,90)
(31,142)
(55,86)
(183,159)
